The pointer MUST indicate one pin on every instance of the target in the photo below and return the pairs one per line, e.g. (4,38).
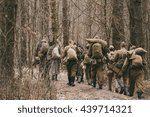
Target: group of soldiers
(123,69)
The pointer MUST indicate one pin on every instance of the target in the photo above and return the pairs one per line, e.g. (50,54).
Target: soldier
(87,63)
(110,72)
(136,72)
(71,56)
(79,65)
(41,53)
(54,58)
(119,60)
(98,52)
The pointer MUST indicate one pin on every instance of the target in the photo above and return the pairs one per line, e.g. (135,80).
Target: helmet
(123,44)
(111,48)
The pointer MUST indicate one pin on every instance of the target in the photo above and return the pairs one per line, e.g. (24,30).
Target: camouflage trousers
(98,74)
(72,70)
(122,82)
(111,79)
(136,77)
(88,73)
(80,72)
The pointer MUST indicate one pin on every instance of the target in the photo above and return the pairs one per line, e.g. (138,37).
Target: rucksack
(97,51)
(71,53)
(44,47)
(136,60)
(122,54)
(140,51)
(55,52)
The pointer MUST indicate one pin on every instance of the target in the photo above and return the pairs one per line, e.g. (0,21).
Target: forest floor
(83,91)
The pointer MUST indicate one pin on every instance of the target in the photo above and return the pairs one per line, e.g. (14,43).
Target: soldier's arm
(64,52)
(49,53)
(106,51)
(116,57)
(90,51)
(125,65)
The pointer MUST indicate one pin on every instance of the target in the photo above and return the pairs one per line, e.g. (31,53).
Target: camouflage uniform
(136,77)
(80,72)
(42,56)
(98,66)
(71,65)
(119,60)
(110,72)
(87,63)
(53,64)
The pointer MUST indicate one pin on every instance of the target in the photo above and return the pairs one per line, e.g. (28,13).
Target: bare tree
(54,20)
(65,22)
(7,39)
(117,23)
(136,33)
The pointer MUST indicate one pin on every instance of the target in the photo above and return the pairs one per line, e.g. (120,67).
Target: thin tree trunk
(136,33)
(117,23)
(65,23)
(7,39)
(54,20)
(89,20)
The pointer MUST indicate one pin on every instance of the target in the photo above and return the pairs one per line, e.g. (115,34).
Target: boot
(89,83)
(126,92)
(82,78)
(109,83)
(79,79)
(100,86)
(116,90)
(94,84)
(139,94)
(121,90)
(72,81)
(53,77)
(56,78)
(132,86)
(69,81)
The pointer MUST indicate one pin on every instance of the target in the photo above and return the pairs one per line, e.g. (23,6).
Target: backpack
(140,51)
(44,47)
(55,52)
(71,53)
(122,54)
(97,51)
(136,60)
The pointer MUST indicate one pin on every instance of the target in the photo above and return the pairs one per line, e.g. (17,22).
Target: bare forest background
(24,22)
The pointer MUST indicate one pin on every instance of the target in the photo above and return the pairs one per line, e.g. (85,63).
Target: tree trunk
(7,39)
(24,36)
(65,23)
(117,23)
(136,33)
(54,20)
(89,20)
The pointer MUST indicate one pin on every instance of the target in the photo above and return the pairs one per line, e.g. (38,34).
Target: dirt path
(83,91)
